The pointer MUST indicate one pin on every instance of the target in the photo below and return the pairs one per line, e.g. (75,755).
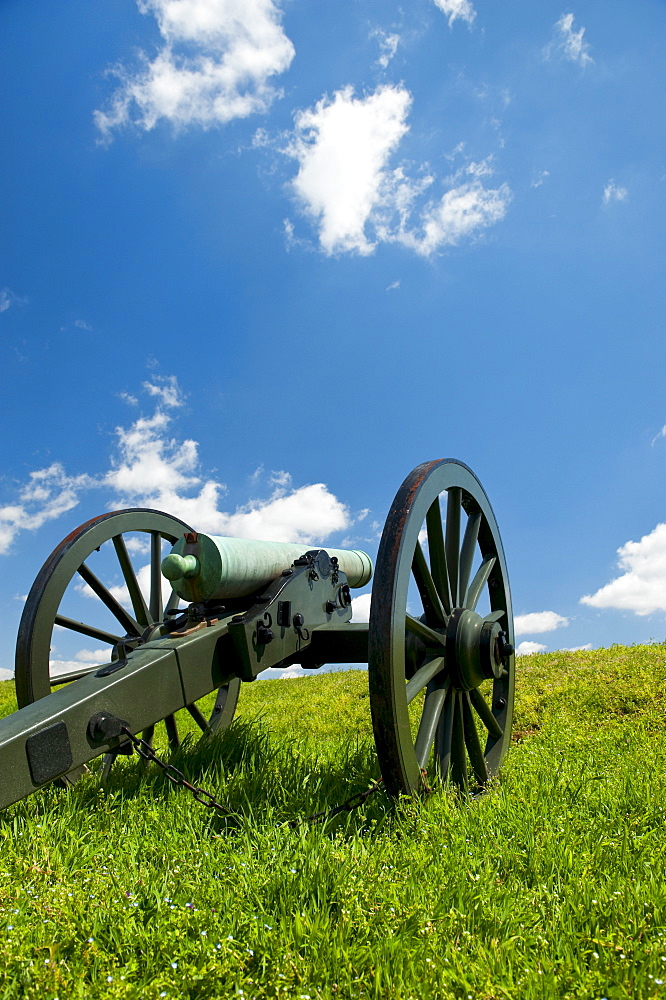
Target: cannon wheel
(107,533)
(429,647)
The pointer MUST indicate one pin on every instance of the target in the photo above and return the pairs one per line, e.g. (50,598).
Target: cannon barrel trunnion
(212,612)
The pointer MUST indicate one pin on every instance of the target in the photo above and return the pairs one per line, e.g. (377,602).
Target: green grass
(552,885)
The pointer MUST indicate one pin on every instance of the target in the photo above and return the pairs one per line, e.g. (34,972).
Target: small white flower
(109,979)
(174,965)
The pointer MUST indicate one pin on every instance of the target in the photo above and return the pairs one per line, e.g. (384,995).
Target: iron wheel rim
(453,706)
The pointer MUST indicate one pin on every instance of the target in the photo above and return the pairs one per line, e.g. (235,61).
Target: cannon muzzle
(209,567)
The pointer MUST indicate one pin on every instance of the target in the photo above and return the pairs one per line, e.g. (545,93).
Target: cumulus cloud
(150,467)
(361,608)
(577,649)
(527,648)
(640,587)
(537,622)
(457,9)
(343,147)
(614,192)
(569,44)
(215,64)
(356,198)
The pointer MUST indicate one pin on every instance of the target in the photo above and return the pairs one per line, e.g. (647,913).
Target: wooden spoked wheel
(95,571)
(441,656)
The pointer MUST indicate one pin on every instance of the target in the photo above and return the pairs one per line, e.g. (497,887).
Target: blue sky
(261,258)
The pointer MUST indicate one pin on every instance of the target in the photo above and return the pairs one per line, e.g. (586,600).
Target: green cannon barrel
(206,567)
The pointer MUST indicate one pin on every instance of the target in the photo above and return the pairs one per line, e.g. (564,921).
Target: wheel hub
(475,649)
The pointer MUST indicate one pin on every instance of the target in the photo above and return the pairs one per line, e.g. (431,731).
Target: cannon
(207,613)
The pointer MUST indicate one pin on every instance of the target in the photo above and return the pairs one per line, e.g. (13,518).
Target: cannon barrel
(204,567)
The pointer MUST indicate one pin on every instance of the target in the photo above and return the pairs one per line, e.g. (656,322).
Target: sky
(260,258)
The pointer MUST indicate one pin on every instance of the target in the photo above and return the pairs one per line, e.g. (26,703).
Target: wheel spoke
(458,755)
(480,580)
(423,631)
(423,676)
(117,610)
(444,734)
(199,717)
(156,576)
(136,597)
(74,675)
(432,604)
(440,573)
(89,630)
(172,732)
(495,616)
(432,710)
(467,554)
(452,543)
(473,743)
(485,713)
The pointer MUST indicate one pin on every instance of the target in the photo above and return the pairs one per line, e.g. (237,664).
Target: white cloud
(640,588)
(539,178)
(6,675)
(82,325)
(457,9)
(343,147)
(151,468)
(394,284)
(361,608)
(527,648)
(93,655)
(48,493)
(388,45)
(568,43)
(347,187)
(460,213)
(577,649)
(286,674)
(8,299)
(215,64)
(537,622)
(614,192)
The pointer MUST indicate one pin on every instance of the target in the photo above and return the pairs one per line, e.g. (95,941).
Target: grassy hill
(551,885)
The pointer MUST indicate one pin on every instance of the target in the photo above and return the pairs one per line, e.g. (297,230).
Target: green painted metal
(212,567)
(257,605)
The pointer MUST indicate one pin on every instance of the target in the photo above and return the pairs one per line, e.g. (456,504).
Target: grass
(552,885)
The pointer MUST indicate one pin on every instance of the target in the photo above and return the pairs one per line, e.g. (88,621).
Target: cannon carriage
(439,642)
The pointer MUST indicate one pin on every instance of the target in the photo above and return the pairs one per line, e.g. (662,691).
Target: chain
(175,776)
(205,798)
(352,803)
